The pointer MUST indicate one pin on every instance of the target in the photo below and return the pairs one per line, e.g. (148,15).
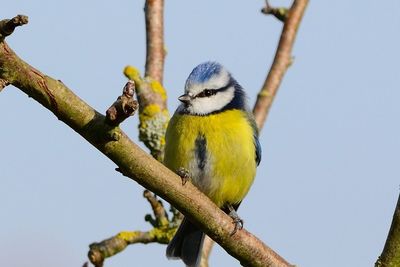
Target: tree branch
(391,252)
(161,233)
(152,97)
(154,13)
(282,60)
(109,247)
(134,162)
(160,215)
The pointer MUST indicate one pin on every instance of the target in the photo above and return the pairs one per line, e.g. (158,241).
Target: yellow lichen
(162,235)
(158,88)
(127,235)
(132,73)
(152,127)
(151,110)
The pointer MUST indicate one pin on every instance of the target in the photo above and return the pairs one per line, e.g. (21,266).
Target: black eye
(207,93)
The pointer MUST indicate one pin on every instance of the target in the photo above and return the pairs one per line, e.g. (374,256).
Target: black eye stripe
(207,93)
(210,92)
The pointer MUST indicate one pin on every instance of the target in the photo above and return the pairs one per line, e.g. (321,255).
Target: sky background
(328,183)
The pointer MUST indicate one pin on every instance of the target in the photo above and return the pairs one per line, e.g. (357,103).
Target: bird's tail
(186,244)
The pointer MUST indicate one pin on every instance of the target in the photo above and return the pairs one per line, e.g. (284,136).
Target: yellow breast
(229,163)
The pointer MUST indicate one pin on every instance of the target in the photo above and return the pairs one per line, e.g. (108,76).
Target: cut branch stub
(8,26)
(124,107)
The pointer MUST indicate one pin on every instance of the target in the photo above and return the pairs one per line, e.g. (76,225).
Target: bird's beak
(184,99)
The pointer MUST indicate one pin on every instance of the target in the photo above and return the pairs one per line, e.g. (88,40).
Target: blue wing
(258,150)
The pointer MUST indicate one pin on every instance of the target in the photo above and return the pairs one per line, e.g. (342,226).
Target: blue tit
(214,137)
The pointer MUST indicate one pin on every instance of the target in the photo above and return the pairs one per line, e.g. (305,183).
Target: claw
(237,221)
(184,174)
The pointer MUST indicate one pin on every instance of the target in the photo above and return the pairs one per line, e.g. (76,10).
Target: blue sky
(329,180)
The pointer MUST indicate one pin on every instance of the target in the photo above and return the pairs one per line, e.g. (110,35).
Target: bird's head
(210,88)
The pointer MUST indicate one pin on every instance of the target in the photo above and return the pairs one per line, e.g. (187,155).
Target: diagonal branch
(391,252)
(133,161)
(282,60)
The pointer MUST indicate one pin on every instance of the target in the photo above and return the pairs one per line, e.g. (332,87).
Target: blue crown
(204,72)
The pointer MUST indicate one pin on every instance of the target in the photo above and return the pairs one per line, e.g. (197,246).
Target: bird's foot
(237,221)
(184,174)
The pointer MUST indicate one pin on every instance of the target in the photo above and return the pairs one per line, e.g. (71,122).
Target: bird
(213,139)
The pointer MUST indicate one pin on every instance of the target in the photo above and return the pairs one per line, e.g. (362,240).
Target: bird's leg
(237,221)
(184,174)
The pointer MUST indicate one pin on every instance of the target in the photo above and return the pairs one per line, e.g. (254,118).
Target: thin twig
(207,248)
(391,252)
(161,218)
(154,13)
(280,13)
(282,60)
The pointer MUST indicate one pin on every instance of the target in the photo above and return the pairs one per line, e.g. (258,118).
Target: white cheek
(206,105)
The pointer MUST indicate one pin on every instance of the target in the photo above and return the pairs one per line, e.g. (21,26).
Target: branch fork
(162,232)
